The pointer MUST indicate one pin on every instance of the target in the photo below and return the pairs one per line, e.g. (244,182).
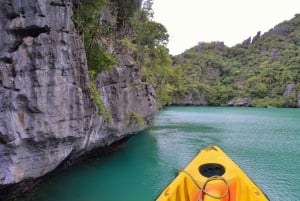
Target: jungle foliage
(264,71)
(134,28)
(259,71)
(87,18)
(149,48)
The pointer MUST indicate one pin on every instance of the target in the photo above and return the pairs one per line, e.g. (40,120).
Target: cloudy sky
(231,21)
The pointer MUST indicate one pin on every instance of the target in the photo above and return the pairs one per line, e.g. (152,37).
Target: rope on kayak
(202,188)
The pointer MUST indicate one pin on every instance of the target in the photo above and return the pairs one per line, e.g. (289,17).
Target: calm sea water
(265,143)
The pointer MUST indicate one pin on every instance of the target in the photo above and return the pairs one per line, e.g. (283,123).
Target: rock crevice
(47,114)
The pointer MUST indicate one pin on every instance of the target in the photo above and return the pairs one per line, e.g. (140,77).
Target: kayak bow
(212,176)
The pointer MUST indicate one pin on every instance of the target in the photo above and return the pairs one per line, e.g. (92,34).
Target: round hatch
(211,169)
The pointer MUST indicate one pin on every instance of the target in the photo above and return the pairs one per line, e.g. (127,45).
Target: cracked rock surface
(47,115)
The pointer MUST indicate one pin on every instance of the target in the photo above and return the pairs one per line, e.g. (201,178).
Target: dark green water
(264,142)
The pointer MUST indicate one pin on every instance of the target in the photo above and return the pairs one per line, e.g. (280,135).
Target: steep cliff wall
(47,113)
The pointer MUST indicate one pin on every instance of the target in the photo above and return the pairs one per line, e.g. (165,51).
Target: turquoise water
(264,142)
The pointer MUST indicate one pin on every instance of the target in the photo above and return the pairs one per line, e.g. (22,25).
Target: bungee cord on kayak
(202,189)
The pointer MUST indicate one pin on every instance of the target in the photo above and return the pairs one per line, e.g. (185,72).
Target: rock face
(298,99)
(246,42)
(290,96)
(256,37)
(191,99)
(239,102)
(47,114)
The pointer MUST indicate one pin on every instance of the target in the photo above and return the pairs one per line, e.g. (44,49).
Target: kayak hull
(212,176)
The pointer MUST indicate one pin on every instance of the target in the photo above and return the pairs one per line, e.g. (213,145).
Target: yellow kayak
(212,176)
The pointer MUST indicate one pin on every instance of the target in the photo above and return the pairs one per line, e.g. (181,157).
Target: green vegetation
(96,96)
(260,71)
(87,20)
(264,73)
(149,48)
(87,15)
(134,29)
(136,120)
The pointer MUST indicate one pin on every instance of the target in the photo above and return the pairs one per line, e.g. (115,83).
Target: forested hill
(262,71)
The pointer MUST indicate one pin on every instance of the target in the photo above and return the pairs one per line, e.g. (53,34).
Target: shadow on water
(188,128)
(127,174)
(263,142)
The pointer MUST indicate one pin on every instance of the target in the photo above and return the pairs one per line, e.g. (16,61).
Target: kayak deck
(212,176)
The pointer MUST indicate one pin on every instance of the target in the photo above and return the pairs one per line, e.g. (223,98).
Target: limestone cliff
(47,113)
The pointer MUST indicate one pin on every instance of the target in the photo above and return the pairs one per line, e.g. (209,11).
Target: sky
(232,21)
